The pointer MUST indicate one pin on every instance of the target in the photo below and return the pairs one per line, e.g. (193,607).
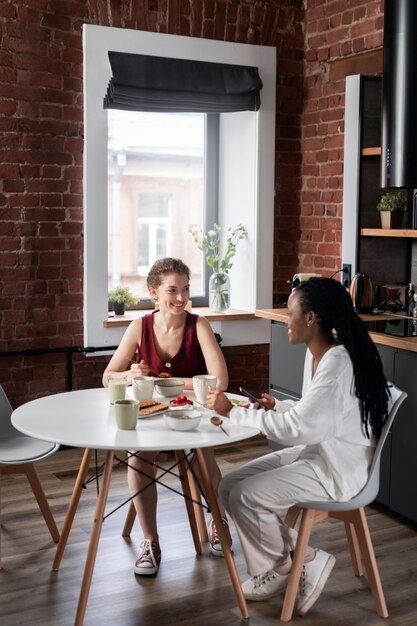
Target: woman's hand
(218,401)
(266,401)
(139,369)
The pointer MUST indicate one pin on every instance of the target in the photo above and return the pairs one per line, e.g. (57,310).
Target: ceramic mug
(143,387)
(201,383)
(117,387)
(126,412)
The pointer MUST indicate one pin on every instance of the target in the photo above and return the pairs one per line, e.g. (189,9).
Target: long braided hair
(332,304)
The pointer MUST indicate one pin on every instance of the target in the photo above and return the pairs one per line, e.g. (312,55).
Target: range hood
(399,95)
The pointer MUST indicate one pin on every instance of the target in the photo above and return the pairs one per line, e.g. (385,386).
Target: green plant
(210,245)
(122,295)
(392,201)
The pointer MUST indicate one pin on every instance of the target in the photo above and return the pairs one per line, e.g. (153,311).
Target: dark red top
(189,359)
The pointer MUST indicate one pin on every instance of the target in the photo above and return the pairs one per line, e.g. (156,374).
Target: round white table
(85,419)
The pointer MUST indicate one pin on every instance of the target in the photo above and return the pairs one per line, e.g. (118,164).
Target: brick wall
(41,143)
(308,228)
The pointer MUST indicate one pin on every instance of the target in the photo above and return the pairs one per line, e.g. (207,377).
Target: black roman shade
(160,84)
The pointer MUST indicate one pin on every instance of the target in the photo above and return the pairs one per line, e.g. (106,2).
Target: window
(156,186)
(245,171)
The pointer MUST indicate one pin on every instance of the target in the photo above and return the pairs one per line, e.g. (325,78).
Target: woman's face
(299,323)
(173,293)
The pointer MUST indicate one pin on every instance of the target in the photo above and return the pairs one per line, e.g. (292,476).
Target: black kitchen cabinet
(403,483)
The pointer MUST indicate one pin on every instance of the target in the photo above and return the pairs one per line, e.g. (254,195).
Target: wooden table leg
(198,507)
(228,557)
(94,539)
(75,498)
(180,456)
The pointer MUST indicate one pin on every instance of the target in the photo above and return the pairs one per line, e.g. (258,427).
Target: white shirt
(326,421)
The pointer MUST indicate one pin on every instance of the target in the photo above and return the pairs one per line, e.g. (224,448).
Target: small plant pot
(119,308)
(392,219)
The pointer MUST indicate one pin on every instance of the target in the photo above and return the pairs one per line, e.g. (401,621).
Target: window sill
(231,315)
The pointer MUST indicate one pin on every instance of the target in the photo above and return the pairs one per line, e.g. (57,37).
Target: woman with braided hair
(332,431)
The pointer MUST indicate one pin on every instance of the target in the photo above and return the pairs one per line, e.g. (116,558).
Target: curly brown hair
(166,266)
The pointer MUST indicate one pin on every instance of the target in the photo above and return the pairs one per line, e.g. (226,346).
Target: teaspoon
(217,421)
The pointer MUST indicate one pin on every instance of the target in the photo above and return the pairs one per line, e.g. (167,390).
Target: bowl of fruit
(180,402)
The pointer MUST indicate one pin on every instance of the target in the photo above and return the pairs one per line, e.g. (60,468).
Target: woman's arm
(121,361)
(212,353)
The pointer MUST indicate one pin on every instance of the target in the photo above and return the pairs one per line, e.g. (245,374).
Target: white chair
(352,513)
(17,454)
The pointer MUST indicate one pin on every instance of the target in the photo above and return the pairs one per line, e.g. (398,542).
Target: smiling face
(299,323)
(172,294)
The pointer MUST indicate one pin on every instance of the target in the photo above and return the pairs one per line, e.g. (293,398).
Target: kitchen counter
(394,341)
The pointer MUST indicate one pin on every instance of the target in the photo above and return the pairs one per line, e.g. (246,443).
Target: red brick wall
(308,227)
(41,143)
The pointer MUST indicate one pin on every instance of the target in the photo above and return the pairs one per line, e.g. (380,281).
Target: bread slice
(147,407)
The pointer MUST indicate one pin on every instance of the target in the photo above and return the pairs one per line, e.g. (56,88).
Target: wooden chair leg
(292,516)
(355,553)
(130,520)
(39,493)
(307,522)
(368,555)
(179,456)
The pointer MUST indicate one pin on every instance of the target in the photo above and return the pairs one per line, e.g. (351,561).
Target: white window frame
(153,223)
(246,175)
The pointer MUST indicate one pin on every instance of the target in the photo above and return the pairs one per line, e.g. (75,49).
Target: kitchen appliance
(391,297)
(399,97)
(362,293)
(302,278)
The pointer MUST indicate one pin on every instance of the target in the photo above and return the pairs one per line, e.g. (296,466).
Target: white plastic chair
(353,515)
(17,455)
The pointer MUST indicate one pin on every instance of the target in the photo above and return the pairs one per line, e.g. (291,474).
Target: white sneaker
(148,562)
(264,586)
(313,578)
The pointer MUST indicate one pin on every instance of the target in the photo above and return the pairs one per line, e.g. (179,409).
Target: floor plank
(189,590)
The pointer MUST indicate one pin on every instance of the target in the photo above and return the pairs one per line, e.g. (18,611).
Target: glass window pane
(156,166)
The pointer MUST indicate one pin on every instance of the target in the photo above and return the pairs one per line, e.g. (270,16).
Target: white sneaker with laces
(215,545)
(148,562)
(314,576)
(264,586)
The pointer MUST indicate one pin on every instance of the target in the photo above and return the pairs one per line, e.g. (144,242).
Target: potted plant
(219,284)
(121,296)
(392,207)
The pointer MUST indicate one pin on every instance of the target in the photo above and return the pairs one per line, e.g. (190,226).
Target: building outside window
(156,183)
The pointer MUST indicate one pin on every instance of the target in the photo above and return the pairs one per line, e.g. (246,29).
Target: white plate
(180,407)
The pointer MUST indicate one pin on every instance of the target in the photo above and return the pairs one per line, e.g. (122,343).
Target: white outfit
(329,460)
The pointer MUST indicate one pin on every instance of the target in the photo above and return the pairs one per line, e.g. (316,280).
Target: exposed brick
(41,149)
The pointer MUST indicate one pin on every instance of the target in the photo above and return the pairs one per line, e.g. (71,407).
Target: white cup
(201,383)
(143,387)
(126,412)
(117,387)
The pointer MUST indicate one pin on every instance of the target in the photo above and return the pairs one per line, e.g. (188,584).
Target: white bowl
(169,387)
(187,419)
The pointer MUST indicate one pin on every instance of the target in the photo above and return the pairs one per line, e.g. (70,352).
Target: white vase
(219,292)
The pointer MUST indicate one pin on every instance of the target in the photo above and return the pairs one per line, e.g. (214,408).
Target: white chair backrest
(6,410)
(370,491)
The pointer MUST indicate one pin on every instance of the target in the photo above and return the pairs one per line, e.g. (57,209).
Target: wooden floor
(189,590)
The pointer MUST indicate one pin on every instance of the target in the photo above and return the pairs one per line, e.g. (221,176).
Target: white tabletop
(85,419)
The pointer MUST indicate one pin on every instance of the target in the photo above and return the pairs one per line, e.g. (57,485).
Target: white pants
(257,496)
